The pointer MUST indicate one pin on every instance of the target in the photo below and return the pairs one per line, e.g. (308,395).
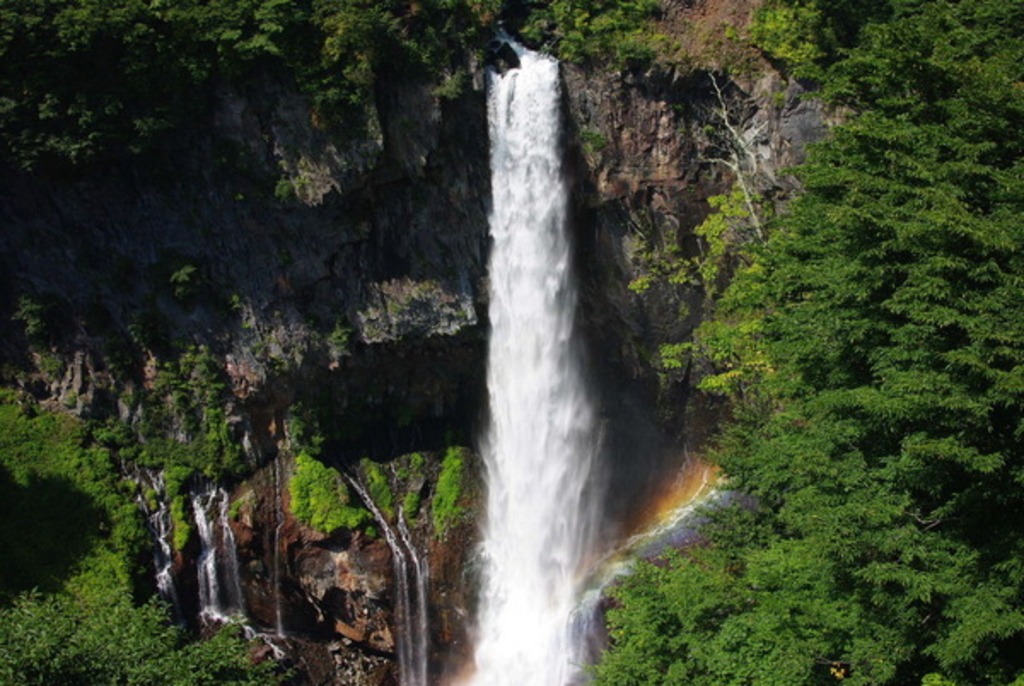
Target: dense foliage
(69,527)
(67,522)
(58,640)
(876,353)
(619,31)
(81,78)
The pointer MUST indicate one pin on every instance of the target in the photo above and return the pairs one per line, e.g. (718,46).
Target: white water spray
(206,563)
(540,447)
(236,599)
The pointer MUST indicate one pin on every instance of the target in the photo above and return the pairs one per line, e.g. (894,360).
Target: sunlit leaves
(883,441)
(58,640)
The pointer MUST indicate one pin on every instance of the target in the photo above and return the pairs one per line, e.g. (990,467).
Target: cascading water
(540,448)
(410,628)
(159,523)
(206,563)
(421,574)
(218,558)
(236,599)
(276,571)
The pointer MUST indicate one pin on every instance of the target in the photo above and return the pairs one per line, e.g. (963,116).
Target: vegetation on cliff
(877,347)
(871,342)
(618,31)
(320,499)
(445,505)
(83,80)
(66,521)
(70,528)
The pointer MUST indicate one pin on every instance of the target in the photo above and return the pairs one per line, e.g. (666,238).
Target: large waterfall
(540,446)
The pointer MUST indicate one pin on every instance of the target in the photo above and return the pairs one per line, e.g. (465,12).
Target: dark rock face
(260,236)
(502,56)
(649,149)
(333,596)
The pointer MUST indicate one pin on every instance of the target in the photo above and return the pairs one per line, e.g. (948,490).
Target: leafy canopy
(57,640)
(876,361)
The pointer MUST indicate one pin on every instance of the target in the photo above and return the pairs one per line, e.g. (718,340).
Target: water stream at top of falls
(540,447)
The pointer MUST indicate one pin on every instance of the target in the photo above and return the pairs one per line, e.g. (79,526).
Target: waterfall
(206,563)
(421,574)
(218,558)
(160,525)
(236,599)
(276,571)
(410,628)
(540,446)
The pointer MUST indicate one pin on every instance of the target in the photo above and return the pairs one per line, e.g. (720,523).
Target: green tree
(619,31)
(881,436)
(57,640)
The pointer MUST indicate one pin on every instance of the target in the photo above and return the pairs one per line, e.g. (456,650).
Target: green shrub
(319,498)
(65,521)
(378,488)
(593,141)
(789,33)
(445,506)
(411,505)
(60,640)
(417,462)
(185,282)
(340,337)
(617,31)
(452,86)
(37,315)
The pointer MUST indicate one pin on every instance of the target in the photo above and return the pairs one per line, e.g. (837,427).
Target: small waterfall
(421,574)
(236,599)
(276,571)
(540,448)
(218,559)
(160,525)
(206,563)
(410,628)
